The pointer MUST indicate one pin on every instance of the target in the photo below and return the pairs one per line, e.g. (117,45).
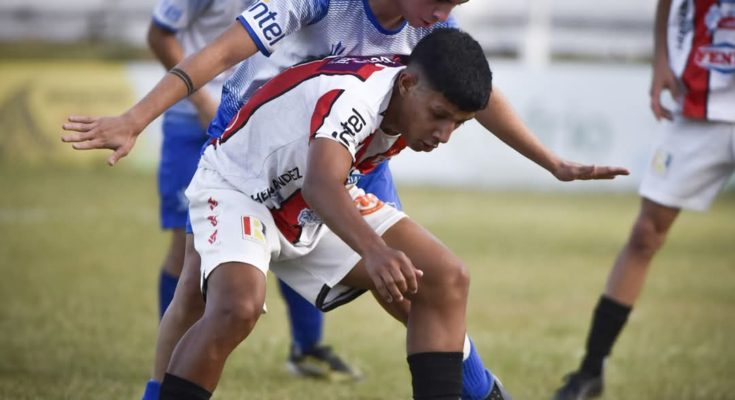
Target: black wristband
(184,78)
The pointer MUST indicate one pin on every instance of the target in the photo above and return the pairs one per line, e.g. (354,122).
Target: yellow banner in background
(37,96)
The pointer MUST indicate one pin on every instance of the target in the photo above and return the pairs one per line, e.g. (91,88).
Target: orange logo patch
(368,203)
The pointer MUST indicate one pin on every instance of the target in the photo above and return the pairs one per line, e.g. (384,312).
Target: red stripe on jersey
(696,78)
(287,217)
(367,165)
(292,77)
(365,144)
(322,110)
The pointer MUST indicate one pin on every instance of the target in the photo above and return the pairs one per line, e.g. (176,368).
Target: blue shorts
(183,139)
(378,182)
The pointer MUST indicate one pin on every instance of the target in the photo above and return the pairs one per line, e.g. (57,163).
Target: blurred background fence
(576,71)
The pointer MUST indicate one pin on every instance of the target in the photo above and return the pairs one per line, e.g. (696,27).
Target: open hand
(571,171)
(115,133)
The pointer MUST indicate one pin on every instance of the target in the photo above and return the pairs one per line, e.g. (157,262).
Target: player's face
(424,13)
(428,119)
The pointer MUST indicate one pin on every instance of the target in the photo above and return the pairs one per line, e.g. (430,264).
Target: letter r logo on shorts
(253,229)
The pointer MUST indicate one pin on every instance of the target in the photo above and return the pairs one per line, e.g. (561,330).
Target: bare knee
(234,320)
(646,237)
(446,283)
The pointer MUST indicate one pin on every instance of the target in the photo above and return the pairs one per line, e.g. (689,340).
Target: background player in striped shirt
(695,60)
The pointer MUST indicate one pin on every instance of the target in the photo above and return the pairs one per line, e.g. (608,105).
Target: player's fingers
(656,108)
(411,276)
(78,137)
(81,118)
(667,114)
(381,289)
(399,281)
(78,127)
(89,145)
(121,152)
(610,172)
(391,286)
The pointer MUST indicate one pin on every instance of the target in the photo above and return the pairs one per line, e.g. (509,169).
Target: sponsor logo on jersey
(336,49)
(720,16)
(367,203)
(266,20)
(307,216)
(277,183)
(354,177)
(388,60)
(172,12)
(718,57)
(350,128)
(253,229)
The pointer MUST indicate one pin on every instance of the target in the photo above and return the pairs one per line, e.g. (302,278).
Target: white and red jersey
(701,43)
(291,32)
(263,151)
(196,23)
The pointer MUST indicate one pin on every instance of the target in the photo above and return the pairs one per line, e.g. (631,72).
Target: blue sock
(166,288)
(306,320)
(476,379)
(152,389)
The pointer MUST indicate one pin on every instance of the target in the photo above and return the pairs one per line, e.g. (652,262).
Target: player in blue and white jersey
(326,28)
(178,29)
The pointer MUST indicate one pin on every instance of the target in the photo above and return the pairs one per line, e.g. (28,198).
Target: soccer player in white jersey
(178,29)
(695,60)
(274,192)
(338,27)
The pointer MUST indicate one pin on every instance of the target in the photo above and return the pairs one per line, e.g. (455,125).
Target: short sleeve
(174,15)
(268,22)
(343,118)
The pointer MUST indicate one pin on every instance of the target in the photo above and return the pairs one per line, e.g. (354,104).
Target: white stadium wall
(591,113)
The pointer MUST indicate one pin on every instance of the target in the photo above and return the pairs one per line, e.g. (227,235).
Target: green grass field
(79,257)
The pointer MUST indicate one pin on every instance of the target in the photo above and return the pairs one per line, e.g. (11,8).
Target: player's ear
(408,79)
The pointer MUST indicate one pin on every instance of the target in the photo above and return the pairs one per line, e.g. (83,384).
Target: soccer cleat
(322,363)
(498,392)
(580,385)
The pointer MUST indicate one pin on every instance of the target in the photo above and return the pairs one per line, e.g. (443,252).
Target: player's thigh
(188,295)
(228,226)
(236,292)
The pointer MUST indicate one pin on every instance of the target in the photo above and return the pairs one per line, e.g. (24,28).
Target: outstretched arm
(169,52)
(500,119)
(324,191)
(119,133)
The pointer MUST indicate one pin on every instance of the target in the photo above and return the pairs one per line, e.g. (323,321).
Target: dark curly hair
(455,66)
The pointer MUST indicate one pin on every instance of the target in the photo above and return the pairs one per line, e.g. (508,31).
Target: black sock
(175,388)
(607,322)
(436,376)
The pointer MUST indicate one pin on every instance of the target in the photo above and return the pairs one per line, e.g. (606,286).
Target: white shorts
(691,164)
(229,226)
